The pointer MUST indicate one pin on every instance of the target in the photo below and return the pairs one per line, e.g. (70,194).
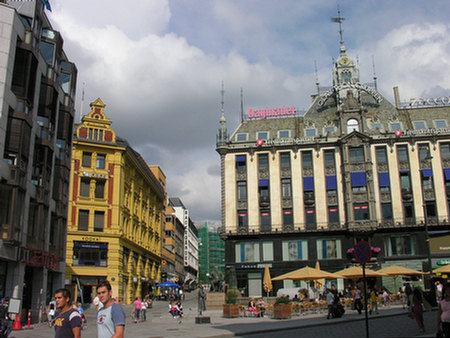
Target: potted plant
(282,309)
(231,306)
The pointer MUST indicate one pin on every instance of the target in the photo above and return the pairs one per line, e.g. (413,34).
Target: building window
(285,160)
(242,219)
(101,161)
(241,137)
(359,181)
(419,125)
(83,220)
(286,188)
(381,155)
(241,163)
(294,250)
(401,245)
(86,160)
(408,210)
(396,126)
(440,123)
(333,214)
(265,220)
(310,132)
(263,161)
(385,183)
(85,186)
(352,125)
(329,158)
(307,159)
(430,207)
(267,251)
(405,182)
(378,126)
(356,154)
(263,190)
(402,153)
(288,217)
(284,134)
(263,135)
(310,215)
(361,211)
(331,185)
(445,151)
(329,129)
(386,210)
(424,151)
(247,252)
(329,249)
(90,253)
(242,190)
(100,189)
(427,179)
(99,220)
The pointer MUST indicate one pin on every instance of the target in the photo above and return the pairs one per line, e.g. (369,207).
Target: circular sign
(163,262)
(363,253)
(398,133)
(260,142)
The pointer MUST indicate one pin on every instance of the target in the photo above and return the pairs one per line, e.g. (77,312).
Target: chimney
(396,97)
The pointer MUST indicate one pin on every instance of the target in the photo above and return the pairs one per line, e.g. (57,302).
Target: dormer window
(352,125)
(346,76)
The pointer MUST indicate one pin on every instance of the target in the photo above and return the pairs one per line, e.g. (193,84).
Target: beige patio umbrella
(267,282)
(318,283)
(307,273)
(444,269)
(395,270)
(357,272)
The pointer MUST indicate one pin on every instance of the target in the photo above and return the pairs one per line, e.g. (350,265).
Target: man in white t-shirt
(110,317)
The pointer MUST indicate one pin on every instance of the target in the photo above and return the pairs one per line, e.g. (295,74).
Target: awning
(308,184)
(384,179)
(447,174)
(263,183)
(241,158)
(427,173)
(359,179)
(331,183)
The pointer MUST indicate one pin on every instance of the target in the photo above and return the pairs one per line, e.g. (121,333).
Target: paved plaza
(391,323)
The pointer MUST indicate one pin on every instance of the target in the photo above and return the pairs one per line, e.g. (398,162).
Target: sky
(158,65)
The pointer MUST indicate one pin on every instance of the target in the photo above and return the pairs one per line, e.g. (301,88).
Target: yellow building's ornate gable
(96,126)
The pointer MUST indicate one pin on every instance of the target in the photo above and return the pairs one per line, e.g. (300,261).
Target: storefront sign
(94,239)
(39,258)
(252,266)
(428,102)
(443,262)
(270,112)
(440,245)
(429,131)
(289,140)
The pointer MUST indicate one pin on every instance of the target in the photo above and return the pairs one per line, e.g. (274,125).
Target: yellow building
(115,213)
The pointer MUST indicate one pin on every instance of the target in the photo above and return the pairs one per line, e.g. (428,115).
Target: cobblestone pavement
(389,323)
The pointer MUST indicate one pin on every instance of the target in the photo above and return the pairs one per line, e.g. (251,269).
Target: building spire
(242,105)
(339,20)
(317,77)
(374,74)
(222,137)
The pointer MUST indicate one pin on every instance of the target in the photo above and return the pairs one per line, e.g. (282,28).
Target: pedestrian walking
(137,309)
(68,321)
(111,317)
(357,300)
(443,320)
(144,310)
(417,309)
(330,301)
(374,300)
(51,312)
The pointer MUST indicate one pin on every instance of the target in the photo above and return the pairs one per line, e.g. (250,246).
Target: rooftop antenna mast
(339,20)
(242,105)
(317,77)
(374,74)
(222,92)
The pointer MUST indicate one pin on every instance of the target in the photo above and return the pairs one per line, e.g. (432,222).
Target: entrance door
(254,285)
(87,292)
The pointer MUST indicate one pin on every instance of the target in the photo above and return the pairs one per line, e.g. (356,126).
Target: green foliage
(231,297)
(283,300)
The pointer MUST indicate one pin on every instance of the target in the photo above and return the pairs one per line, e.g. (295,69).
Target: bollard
(29,319)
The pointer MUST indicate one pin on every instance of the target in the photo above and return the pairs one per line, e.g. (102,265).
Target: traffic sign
(363,253)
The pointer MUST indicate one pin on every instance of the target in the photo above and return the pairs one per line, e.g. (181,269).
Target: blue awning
(308,184)
(331,183)
(427,173)
(447,174)
(404,171)
(358,179)
(384,180)
(263,183)
(241,158)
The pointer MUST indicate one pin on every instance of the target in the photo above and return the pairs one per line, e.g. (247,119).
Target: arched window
(352,124)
